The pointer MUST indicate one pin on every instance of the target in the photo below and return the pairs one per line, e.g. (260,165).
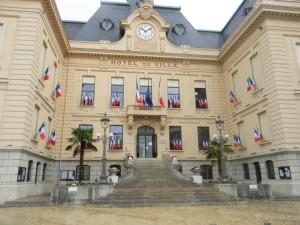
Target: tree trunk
(81,162)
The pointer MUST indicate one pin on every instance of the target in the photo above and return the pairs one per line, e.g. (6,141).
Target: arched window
(44,171)
(37,171)
(270,169)
(29,168)
(246,171)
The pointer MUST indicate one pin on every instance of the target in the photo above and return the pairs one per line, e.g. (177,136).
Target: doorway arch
(146,142)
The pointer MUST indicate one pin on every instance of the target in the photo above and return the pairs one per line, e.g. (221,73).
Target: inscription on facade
(143,64)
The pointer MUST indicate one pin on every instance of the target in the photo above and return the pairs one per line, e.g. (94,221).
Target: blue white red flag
(258,136)
(52,139)
(232,97)
(46,74)
(58,91)
(42,131)
(138,97)
(236,141)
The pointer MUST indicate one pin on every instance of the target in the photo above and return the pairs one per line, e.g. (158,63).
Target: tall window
(297,49)
(173,94)
(236,85)
(116,142)
(43,57)
(21,174)
(206,172)
(203,137)
(1,35)
(35,121)
(86,172)
(264,125)
(54,77)
(49,126)
(117,92)
(175,138)
(256,70)
(145,85)
(44,171)
(88,91)
(246,171)
(37,170)
(200,95)
(29,170)
(241,133)
(270,169)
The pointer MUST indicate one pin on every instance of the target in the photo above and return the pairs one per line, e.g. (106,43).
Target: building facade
(100,64)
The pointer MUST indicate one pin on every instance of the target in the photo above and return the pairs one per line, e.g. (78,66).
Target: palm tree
(81,140)
(214,151)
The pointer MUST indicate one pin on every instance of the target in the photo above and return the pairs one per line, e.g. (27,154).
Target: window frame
(77,169)
(142,93)
(121,134)
(44,171)
(37,114)
(246,171)
(200,142)
(112,94)
(82,96)
(21,177)
(29,171)
(173,96)
(234,78)
(241,130)
(263,131)
(270,170)
(257,77)
(68,173)
(198,93)
(171,145)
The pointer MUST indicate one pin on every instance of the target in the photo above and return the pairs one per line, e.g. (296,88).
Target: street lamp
(105,124)
(220,126)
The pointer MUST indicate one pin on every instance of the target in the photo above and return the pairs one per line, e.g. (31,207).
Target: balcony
(140,110)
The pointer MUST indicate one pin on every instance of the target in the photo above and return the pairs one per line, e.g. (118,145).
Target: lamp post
(220,126)
(105,124)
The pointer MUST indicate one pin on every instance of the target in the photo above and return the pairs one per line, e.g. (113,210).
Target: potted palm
(214,151)
(81,140)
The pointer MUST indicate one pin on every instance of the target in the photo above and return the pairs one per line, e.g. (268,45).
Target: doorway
(146,142)
(258,172)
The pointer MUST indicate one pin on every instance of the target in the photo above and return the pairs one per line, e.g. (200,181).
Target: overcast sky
(203,14)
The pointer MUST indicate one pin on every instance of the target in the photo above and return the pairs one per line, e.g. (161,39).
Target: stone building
(99,65)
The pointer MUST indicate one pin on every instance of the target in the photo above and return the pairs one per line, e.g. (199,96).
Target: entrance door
(258,172)
(146,143)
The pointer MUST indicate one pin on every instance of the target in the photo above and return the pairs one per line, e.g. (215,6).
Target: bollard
(267,223)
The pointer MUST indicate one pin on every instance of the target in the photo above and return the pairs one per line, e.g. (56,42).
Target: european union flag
(148,98)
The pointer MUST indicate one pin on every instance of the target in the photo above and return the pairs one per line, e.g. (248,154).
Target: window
(54,78)
(1,34)
(203,137)
(49,127)
(264,125)
(35,121)
(86,172)
(37,172)
(256,71)
(145,85)
(117,92)
(173,94)
(206,172)
(43,57)
(29,168)
(246,171)
(86,126)
(270,169)
(44,172)
(116,142)
(21,174)
(175,138)
(67,175)
(88,91)
(285,173)
(236,85)
(241,133)
(297,49)
(200,95)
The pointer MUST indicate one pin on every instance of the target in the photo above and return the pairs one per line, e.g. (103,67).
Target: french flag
(119,144)
(139,99)
(117,101)
(236,141)
(232,97)
(177,103)
(258,136)
(250,84)
(160,98)
(42,131)
(46,74)
(113,101)
(205,144)
(200,103)
(58,91)
(205,103)
(52,140)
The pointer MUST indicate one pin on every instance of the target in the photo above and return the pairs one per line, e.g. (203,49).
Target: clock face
(145,31)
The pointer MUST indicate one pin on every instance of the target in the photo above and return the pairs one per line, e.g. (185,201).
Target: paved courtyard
(279,213)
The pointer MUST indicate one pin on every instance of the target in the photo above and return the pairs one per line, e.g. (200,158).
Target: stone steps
(154,184)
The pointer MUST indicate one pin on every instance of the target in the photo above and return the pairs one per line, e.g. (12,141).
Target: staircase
(153,184)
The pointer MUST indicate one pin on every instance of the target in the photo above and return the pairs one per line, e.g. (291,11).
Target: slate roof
(91,30)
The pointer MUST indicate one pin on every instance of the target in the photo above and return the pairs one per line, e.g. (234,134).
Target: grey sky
(203,14)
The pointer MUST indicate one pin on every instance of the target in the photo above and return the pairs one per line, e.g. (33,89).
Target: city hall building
(162,84)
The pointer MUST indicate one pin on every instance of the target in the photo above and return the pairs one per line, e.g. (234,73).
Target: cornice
(55,20)
(258,14)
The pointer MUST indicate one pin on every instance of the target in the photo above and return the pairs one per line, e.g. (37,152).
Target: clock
(145,31)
